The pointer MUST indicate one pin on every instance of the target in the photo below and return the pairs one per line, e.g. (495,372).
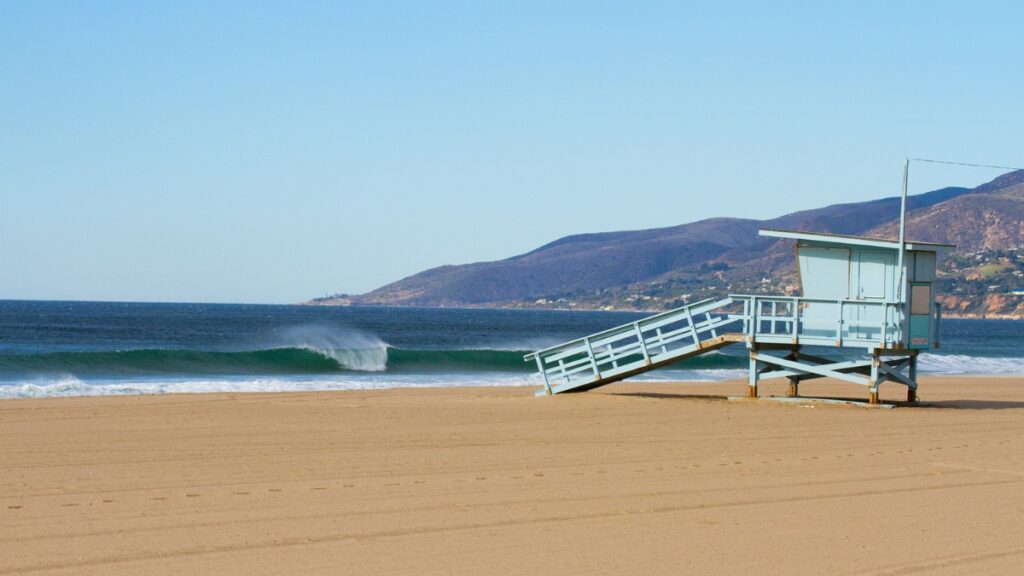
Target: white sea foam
(351,349)
(71,386)
(705,375)
(68,385)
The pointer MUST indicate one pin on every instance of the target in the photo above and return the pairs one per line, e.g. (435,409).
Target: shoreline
(736,384)
(632,478)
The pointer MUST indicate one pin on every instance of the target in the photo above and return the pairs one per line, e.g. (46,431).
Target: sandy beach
(629,479)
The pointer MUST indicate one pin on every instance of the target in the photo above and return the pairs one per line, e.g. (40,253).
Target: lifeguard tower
(866,294)
(877,295)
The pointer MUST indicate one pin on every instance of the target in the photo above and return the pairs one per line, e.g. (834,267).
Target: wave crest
(351,349)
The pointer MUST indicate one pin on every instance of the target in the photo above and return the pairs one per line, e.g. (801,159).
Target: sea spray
(352,349)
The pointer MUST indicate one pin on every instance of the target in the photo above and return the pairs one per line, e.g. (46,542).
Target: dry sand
(629,479)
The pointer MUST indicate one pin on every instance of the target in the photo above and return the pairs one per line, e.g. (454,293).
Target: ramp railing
(631,348)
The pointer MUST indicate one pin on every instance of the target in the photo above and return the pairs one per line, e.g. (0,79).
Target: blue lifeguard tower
(869,294)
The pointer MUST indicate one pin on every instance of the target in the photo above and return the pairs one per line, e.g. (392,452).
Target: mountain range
(664,267)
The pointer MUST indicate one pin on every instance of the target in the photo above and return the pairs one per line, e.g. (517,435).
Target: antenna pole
(903,206)
(903,238)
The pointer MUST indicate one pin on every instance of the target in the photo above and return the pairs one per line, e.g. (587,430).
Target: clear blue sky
(262,152)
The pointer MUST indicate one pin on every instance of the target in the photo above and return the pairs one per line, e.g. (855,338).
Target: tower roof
(855,240)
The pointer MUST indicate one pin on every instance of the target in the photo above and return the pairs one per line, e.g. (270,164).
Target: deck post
(839,326)
(643,345)
(746,316)
(708,319)
(794,381)
(912,373)
(544,374)
(593,361)
(753,376)
(693,329)
(873,385)
(796,320)
(752,333)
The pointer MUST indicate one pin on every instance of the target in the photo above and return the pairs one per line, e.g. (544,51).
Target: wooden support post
(753,376)
(873,387)
(912,373)
(794,381)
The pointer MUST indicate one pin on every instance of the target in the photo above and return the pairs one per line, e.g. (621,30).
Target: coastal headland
(643,478)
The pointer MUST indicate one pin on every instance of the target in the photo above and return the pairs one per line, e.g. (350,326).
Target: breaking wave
(288,360)
(71,386)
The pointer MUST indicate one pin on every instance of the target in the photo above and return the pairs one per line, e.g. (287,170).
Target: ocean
(104,348)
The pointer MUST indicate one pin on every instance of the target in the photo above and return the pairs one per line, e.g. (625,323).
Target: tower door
(920,314)
(874,282)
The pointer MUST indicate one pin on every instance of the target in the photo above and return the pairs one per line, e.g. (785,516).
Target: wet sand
(628,479)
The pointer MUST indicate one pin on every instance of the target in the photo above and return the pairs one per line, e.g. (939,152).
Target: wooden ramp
(631,349)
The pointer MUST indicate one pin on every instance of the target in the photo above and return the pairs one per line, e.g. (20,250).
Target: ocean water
(101,348)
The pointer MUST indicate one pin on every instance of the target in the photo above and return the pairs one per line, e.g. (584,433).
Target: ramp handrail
(630,347)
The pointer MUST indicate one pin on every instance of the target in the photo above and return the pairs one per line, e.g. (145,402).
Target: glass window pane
(920,299)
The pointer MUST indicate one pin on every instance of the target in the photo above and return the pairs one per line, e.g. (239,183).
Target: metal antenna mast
(903,225)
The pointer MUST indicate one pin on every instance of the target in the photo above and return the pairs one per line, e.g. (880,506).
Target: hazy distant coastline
(658,269)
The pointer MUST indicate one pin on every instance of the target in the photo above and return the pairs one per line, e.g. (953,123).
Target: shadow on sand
(966,404)
(963,404)
(667,395)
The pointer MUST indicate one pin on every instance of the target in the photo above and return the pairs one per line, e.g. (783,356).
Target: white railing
(630,347)
(663,338)
(838,322)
